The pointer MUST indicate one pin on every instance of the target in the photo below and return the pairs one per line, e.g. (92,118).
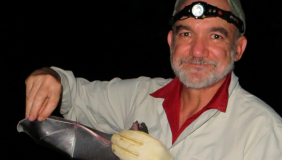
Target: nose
(199,48)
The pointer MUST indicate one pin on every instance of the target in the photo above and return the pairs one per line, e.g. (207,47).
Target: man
(201,114)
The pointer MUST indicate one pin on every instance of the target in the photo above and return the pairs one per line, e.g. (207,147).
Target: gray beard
(206,81)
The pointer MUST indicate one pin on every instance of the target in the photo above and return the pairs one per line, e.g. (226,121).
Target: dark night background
(114,38)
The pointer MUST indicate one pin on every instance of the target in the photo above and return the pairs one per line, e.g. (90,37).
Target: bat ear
(20,127)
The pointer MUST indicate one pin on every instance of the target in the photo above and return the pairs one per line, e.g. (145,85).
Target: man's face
(202,50)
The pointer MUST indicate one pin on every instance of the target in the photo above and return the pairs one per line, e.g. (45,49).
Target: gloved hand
(137,145)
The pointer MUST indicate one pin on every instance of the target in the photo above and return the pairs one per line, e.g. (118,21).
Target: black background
(114,38)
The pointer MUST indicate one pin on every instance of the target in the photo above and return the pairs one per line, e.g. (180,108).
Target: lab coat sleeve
(269,146)
(103,105)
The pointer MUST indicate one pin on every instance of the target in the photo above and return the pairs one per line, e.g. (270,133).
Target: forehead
(222,4)
(206,23)
(206,26)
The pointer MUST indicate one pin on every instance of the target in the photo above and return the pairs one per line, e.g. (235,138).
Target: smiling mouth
(197,62)
(196,65)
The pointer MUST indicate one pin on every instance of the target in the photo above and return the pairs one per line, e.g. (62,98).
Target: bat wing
(74,140)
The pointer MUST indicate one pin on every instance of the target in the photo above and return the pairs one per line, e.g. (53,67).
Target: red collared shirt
(172,101)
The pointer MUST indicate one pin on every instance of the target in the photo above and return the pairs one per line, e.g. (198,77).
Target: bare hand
(43,90)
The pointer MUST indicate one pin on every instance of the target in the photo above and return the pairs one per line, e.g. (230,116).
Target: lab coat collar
(199,121)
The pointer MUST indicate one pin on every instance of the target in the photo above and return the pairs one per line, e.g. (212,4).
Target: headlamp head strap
(201,10)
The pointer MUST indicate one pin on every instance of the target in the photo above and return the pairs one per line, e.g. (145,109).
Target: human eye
(216,36)
(185,34)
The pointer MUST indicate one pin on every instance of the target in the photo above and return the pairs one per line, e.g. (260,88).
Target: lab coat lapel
(200,121)
(166,137)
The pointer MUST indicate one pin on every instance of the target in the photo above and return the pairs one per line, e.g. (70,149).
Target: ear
(169,38)
(241,46)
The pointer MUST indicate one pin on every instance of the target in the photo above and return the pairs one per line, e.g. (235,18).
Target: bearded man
(202,114)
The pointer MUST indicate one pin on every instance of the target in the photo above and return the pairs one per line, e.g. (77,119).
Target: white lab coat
(248,130)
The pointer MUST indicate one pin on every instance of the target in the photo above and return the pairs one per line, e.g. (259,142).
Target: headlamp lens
(198,10)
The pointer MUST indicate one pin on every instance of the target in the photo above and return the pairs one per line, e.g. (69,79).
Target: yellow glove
(137,145)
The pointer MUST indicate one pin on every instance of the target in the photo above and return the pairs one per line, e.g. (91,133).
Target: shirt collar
(171,93)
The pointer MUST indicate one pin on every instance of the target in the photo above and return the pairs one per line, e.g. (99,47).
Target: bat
(72,139)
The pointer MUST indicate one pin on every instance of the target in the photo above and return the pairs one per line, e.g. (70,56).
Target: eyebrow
(220,30)
(212,29)
(181,27)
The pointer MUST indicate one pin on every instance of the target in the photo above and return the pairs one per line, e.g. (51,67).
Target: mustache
(198,60)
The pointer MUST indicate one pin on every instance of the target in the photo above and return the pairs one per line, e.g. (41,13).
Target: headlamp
(201,10)
(198,10)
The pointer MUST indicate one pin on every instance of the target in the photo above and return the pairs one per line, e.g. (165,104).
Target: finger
(43,106)
(30,96)
(40,118)
(123,154)
(39,98)
(132,134)
(124,143)
(29,85)
(50,106)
